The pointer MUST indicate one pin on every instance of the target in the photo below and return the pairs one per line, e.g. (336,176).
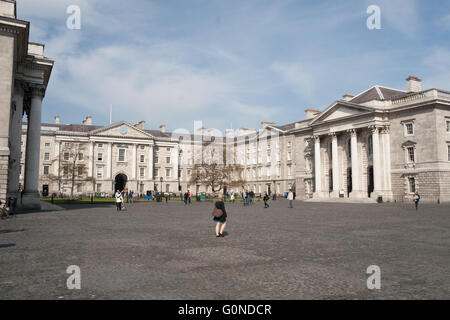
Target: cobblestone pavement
(169,251)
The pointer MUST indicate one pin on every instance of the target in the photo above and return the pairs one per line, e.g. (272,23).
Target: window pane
(121,154)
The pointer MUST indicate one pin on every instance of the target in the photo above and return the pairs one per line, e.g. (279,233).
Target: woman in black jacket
(221,222)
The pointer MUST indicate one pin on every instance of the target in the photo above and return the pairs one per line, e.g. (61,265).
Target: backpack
(217,213)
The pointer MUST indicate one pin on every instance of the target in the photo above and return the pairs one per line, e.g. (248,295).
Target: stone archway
(120,182)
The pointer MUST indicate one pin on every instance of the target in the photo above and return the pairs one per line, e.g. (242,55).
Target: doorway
(120,182)
(369,180)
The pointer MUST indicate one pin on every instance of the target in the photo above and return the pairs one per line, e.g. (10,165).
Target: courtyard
(169,251)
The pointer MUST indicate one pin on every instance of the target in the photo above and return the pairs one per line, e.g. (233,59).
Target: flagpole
(110,114)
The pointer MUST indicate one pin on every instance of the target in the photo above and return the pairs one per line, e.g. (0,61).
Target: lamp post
(274,191)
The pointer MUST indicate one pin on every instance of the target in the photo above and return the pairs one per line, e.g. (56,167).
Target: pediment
(408,143)
(121,129)
(340,110)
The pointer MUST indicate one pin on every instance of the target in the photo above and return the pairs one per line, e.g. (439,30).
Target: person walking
(185,197)
(232,197)
(130,196)
(416,199)
(189,197)
(119,200)
(290,198)
(266,198)
(244,198)
(221,222)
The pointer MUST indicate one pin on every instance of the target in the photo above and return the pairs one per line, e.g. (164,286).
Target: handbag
(217,213)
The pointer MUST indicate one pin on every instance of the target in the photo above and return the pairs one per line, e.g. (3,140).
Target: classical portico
(351,153)
(24,75)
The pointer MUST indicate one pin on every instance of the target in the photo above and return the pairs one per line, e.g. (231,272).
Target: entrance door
(349,181)
(120,182)
(369,181)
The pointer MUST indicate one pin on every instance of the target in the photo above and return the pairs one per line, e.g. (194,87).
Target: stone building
(382,142)
(24,75)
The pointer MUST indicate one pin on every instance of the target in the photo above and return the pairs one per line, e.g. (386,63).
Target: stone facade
(381,143)
(24,75)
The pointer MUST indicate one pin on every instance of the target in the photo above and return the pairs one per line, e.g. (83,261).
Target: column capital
(374,128)
(352,132)
(332,134)
(316,137)
(37,91)
(19,88)
(386,129)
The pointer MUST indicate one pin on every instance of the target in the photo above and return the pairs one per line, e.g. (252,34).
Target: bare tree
(72,165)
(217,176)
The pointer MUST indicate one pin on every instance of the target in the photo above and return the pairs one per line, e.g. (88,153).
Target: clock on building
(123,130)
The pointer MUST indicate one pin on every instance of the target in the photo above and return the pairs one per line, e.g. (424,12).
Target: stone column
(15,138)
(387,190)
(376,162)
(109,162)
(317,169)
(150,163)
(31,197)
(356,177)
(335,164)
(134,164)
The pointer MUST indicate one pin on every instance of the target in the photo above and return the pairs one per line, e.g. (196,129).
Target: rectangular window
(156,159)
(121,155)
(156,149)
(168,160)
(168,149)
(100,145)
(167,173)
(155,172)
(412,185)
(47,156)
(409,129)
(142,172)
(79,187)
(289,144)
(99,187)
(80,171)
(66,156)
(65,171)
(80,156)
(448,125)
(142,147)
(289,170)
(47,144)
(448,152)
(289,156)
(100,172)
(411,154)
(142,158)
(46,170)
(100,157)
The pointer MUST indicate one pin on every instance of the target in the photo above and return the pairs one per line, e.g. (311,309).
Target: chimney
(348,97)
(201,131)
(87,121)
(311,113)
(162,128)
(264,124)
(413,84)
(8,8)
(57,119)
(140,124)
(229,132)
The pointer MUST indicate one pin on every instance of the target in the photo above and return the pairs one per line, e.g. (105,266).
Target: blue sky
(230,63)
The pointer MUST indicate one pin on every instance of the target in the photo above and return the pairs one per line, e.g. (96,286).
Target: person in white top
(290,198)
(119,200)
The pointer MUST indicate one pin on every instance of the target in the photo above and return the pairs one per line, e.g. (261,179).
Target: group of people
(120,196)
(187,197)
(248,197)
